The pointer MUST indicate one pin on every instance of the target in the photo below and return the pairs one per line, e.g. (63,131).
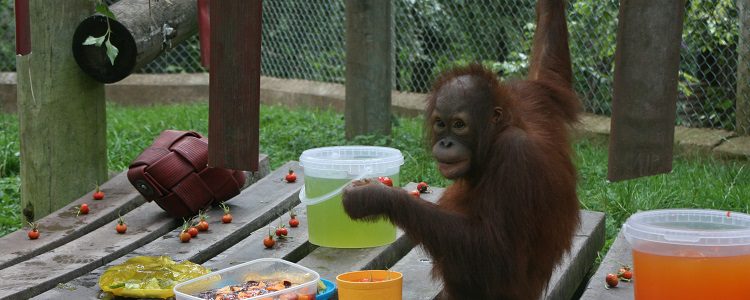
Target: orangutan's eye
(458,124)
(439,124)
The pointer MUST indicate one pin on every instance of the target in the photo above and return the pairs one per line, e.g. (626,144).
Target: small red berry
(293,222)
(268,242)
(121,226)
(84,209)
(227,217)
(282,231)
(291,177)
(34,232)
(193,231)
(185,237)
(98,194)
(612,280)
(422,187)
(625,273)
(386,180)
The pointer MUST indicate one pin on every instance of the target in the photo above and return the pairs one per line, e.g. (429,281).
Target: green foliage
(9,146)
(7,36)
(112,51)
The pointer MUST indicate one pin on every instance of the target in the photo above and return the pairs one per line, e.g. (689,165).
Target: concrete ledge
(143,89)
(737,147)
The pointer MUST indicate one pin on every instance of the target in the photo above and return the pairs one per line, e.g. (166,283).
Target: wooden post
(645,88)
(369,67)
(143,30)
(234,84)
(743,69)
(61,112)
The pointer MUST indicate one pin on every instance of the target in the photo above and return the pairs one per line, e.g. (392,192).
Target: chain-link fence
(305,40)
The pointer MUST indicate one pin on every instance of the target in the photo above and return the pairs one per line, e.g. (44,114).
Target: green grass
(696,182)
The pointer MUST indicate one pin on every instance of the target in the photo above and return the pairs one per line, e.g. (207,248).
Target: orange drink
(675,277)
(690,254)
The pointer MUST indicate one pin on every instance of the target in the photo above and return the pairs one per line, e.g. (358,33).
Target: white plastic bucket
(327,171)
(690,254)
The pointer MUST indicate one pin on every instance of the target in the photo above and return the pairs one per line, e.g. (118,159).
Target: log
(142,30)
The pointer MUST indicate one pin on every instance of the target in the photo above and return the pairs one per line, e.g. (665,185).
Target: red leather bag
(174,172)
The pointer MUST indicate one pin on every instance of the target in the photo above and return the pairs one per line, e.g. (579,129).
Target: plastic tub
(380,284)
(327,171)
(690,254)
(328,293)
(304,281)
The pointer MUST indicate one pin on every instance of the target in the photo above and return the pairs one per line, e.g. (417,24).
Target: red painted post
(204,31)
(23,27)
(234,84)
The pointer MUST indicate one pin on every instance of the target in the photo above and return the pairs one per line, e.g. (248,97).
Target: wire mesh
(306,40)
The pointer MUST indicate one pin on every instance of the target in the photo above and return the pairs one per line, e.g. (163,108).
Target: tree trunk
(743,69)
(143,30)
(644,102)
(369,67)
(61,112)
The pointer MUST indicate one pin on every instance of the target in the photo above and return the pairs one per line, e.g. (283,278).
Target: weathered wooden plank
(257,206)
(417,265)
(63,226)
(645,88)
(43,272)
(619,253)
(369,67)
(330,262)
(66,291)
(251,248)
(234,84)
(573,269)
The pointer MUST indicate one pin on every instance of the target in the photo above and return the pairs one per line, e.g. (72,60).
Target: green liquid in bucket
(329,226)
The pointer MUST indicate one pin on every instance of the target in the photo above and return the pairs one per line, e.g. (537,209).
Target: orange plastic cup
(370,284)
(690,254)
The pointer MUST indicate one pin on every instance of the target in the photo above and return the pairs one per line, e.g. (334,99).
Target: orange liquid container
(690,254)
(674,277)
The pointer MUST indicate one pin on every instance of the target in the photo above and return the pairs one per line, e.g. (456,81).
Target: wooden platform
(619,253)
(72,252)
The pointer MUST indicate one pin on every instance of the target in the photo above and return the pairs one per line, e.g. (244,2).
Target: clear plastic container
(690,254)
(304,281)
(327,171)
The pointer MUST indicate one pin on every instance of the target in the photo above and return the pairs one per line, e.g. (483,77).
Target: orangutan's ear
(497,115)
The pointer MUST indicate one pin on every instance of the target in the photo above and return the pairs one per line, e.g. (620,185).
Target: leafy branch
(105,39)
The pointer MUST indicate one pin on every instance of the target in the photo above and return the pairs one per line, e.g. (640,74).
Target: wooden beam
(645,88)
(743,69)
(143,29)
(234,84)
(61,112)
(369,67)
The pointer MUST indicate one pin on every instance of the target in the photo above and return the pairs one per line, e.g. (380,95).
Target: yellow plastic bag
(148,277)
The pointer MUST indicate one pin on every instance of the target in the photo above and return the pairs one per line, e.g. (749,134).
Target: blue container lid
(328,293)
